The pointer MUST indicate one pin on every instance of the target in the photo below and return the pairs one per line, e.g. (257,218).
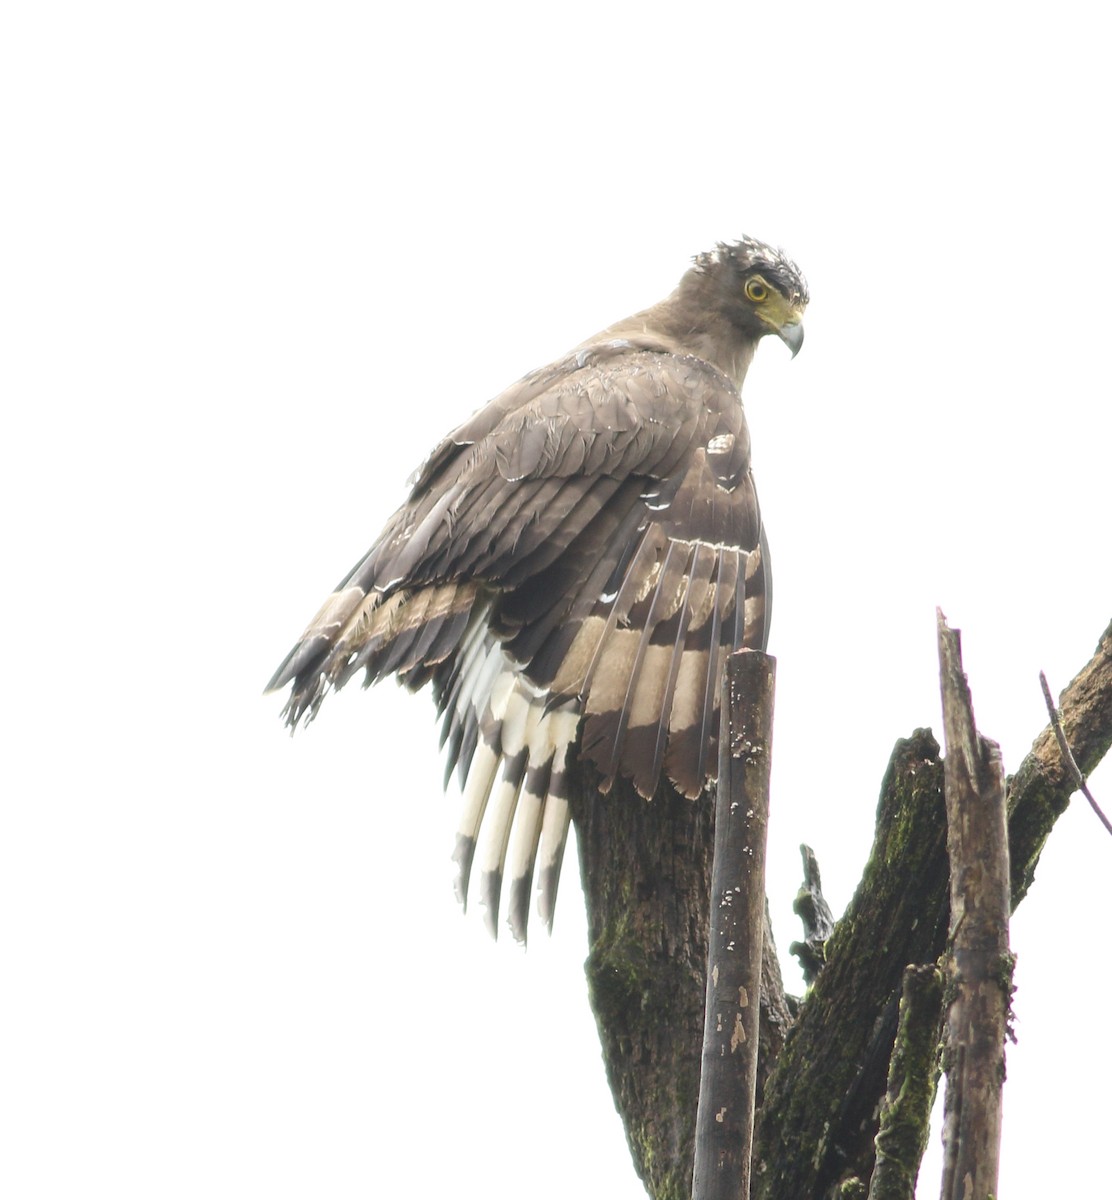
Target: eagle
(570,570)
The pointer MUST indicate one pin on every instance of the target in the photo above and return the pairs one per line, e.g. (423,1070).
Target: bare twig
(727,1087)
(1041,789)
(979,964)
(1067,753)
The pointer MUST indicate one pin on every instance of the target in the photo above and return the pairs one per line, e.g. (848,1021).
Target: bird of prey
(575,562)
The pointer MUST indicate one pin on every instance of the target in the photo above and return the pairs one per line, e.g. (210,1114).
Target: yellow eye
(756,290)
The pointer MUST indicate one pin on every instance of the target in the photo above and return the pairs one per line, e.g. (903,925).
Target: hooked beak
(791,334)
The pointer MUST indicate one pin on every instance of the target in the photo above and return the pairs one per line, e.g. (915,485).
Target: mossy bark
(646,872)
(912,1078)
(819,1119)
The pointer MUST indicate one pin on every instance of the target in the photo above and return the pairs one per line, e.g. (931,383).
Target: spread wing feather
(574,562)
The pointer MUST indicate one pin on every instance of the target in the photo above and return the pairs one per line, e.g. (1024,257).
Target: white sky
(255,260)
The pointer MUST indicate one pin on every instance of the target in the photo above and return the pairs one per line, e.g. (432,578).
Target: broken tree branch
(728,1083)
(979,964)
(811,908)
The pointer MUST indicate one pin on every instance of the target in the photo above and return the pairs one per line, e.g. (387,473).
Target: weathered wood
(728,1081)
(905,1113)
(979,964)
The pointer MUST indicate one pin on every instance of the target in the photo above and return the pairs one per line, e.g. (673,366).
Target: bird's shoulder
(613,404)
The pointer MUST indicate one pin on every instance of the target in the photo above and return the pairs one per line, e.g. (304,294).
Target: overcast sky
(255,260)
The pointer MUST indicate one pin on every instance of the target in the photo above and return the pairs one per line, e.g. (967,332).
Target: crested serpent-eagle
(576,561)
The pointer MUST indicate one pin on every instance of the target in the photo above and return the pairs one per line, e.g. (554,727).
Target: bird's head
(756,287)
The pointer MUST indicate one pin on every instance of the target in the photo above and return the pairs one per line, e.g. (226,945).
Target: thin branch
(1067,753)
(1042,787)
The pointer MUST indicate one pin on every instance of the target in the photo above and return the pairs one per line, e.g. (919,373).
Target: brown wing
(576,560)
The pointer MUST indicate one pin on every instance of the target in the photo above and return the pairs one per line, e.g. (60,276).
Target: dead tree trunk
(646,872)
